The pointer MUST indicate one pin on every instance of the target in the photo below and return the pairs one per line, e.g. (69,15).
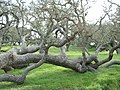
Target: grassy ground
(51,77)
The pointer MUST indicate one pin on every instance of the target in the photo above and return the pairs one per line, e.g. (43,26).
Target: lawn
(51,77)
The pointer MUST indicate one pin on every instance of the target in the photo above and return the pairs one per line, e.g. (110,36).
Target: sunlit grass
(51,77)
(6,48)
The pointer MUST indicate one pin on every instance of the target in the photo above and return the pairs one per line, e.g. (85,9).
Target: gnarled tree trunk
(11,58)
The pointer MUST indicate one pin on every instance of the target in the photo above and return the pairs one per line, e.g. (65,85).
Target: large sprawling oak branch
(110,56)
(37,58)
(9,59)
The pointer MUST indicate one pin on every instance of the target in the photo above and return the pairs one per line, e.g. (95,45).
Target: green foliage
(51,77)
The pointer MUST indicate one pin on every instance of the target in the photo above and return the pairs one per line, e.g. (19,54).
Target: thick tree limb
(34,58)
(21,78)
(19,59)
(60,61)
(9,60)
(30,49)
(11,78)
(112,63)
(110,55)
(68,39)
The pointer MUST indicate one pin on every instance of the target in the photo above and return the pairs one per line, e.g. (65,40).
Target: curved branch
(34,58)
(11,78)
(39,60)
(112,63)
(19,79)
(113,3)
(20,51)
(110,55)
(64,42)
(99,49)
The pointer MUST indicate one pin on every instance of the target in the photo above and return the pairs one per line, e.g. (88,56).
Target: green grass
(6,48)
(51,77)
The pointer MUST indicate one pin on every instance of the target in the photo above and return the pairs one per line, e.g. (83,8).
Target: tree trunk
(9,60)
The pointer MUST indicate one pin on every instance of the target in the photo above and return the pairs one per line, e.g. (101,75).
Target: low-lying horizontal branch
(9,60)
(112,63)
(34,58)
(11,78)
(110,55)
(25,50)
(19,79)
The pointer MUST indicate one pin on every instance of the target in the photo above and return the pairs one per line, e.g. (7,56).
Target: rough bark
(112,63)
(30,49)
(19,79)
(9,59)
(36,58)
(110,55)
